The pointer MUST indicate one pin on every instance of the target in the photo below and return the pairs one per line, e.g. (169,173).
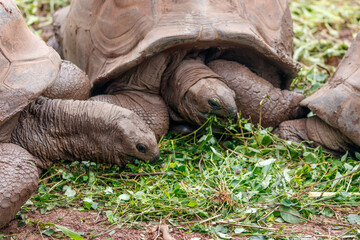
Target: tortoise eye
(141,148)
(214,104)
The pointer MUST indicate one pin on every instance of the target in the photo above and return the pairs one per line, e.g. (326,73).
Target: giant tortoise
(171,48)
(336,125)
(36,131)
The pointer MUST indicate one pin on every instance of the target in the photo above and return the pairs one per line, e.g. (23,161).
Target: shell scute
(27,65)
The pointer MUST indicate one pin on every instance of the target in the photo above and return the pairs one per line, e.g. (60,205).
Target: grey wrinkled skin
(71,83)
(48,130)
(83,130)
(319,133)
(18,179)
(193,90)
(256,97)
(147,46)
(151,108)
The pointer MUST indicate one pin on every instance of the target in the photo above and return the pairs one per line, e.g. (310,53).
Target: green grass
(318,27)
(217,183)
(38,13)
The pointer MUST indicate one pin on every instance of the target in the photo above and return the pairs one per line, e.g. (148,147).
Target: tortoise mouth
(124,159)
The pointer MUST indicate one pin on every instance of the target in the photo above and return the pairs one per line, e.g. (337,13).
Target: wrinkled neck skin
(190,89)
(64,129)
(190,112)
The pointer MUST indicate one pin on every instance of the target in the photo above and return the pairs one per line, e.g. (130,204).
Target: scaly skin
(51,130)
(318,132)
(256,97)
(193,90)
(71,83)
(18,179)
(83,130)
(151,108)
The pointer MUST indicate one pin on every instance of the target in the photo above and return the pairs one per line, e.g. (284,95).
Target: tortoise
(336,104)
(163,48)
(36,131)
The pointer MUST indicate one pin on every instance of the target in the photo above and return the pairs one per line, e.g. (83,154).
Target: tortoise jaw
(123,159)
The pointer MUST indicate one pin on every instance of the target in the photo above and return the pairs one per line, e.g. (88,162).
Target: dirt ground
(93,226)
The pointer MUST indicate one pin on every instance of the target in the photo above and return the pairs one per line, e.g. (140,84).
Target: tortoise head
(209,95)
(134,139)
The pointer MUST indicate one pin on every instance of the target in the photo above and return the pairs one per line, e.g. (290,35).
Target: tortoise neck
(57,129)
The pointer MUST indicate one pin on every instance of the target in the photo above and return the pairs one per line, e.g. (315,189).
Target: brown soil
(90,223)
(94,226)
(333,61)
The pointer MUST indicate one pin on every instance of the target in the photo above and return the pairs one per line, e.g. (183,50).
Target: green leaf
(89,203)
(221,228)
(91,178)
(287,203)
(265,162)
(223,235)
(125,197)
(110,216)
(69,233)
(70,193)
(192,204)
(266,140)
(353,218)
(357,155)
(239,230)
(338,175)
(289,217)
(257,238)
(248,127)
(109,191)
(48,232)
(221,232)
(67,176)
(327,212)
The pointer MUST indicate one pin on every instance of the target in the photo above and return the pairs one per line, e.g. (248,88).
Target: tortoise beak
(233,111)
(155,158)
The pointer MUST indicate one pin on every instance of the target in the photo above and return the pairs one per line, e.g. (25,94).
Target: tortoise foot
(18,180)
(293,130)
(318,132)
(296,110)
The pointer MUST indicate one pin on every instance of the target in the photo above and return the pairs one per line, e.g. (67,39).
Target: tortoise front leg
(256,97)
(149,107)
(318,132)
(19,177)
(71,83)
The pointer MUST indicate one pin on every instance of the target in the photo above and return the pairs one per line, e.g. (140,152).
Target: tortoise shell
(27,66)
(338,101)
(107,38)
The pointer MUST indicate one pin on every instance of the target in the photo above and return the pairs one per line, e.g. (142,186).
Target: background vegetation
(240,182)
